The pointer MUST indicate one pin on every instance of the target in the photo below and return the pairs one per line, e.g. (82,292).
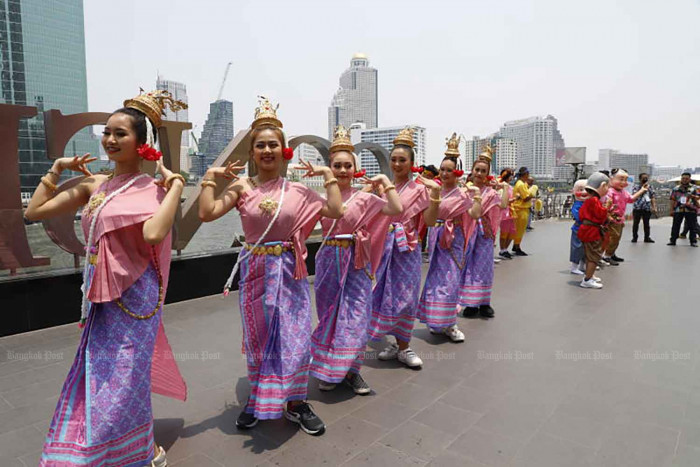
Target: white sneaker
(590,284)
(389,353)
(576,270)
(597,279)
(160,460)
(497,260)
(602,262)
(409,358)
(326,386)
(454,334)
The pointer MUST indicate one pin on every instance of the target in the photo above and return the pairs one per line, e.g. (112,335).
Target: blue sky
(619,74)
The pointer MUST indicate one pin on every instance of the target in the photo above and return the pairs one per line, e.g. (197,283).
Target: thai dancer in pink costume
(104,414)
(398,259)
(275,303)
(477,276)
(343,283)
(447,248)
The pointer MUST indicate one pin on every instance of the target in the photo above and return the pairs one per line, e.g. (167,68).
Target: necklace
(268,206)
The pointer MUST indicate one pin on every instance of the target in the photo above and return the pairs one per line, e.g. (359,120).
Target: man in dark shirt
(684,204)
(643,207)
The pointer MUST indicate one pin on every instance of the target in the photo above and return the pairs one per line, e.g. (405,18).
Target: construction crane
(223,82)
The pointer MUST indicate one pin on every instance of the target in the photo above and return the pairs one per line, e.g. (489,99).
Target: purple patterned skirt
(104,415)
(276,318)
(343,300)
(395,295)
(477,276)
(439,301)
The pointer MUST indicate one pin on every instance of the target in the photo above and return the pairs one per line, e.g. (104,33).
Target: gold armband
(48,184)
(207,183)
(330,182)
(435,200)
(390,187)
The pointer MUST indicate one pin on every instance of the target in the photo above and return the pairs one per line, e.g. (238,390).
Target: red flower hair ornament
(360,173)
(489,178)
(288,153)
(458,173)
(415,169)
(148,152)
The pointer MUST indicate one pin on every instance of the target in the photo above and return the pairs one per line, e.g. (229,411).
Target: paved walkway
(561,377)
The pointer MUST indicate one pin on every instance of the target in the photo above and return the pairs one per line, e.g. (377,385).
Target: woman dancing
(439,302)
(277,217)
(104,415)
(395,295)
(477,276)
(343,283)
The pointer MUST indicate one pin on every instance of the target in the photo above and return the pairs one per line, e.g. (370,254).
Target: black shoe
(470,312)
(486,311)
(649,240)
(246,420)
(519,252)
(304,416)
(358,384)
(694,245)
(530,228)
(671,244)
(611,261)
(617,258)
(634,240)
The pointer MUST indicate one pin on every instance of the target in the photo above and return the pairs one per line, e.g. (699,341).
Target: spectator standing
(684,205)
(643,207)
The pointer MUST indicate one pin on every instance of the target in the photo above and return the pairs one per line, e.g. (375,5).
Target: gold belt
(341,242)
(276,250)
(391,227)
(92,259)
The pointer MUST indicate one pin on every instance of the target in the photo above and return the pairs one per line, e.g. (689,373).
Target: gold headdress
(153,103)
(341,140)
(486,153)
(453,146)
(266,114)
(405,137)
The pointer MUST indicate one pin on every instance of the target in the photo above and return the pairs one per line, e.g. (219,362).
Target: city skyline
(607,83)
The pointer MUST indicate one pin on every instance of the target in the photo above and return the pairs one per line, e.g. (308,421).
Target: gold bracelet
(169,181)
(208,179)
(390,187)
(206,183)
(477,198)
(435,200)
(48,184)
(330,182)
(52,173)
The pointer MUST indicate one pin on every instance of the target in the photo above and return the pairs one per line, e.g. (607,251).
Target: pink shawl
(359,213)
(490,211)
(123,257)
(415,200)
(297,218)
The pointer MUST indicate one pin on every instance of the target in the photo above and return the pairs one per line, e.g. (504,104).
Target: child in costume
(576,252)
(620,198)
(593,217)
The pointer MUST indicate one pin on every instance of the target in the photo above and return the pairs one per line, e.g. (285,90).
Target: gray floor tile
(487,448)
(379,455)
(547,451)
(417,440)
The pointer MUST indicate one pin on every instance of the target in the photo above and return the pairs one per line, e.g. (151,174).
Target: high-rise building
(179,92)
(663,173)
(356,99)
(42,64)
(538,139)
(385,138)
(633,164)
(217,131)
(505,151)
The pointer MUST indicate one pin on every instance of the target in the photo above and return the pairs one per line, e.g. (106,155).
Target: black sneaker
(611,261)
(694,245)
(519,252)
(634,240)
(470,312)
(304,416)
(649,240)
(358,384)
(618,259)
(671,244)
(486,311)
(246,420)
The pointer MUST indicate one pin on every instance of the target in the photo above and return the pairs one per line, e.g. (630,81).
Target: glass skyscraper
(42,64)
(216,134)
(356,100)
(179,92)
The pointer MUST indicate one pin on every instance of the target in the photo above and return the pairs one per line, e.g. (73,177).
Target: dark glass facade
(42,54)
